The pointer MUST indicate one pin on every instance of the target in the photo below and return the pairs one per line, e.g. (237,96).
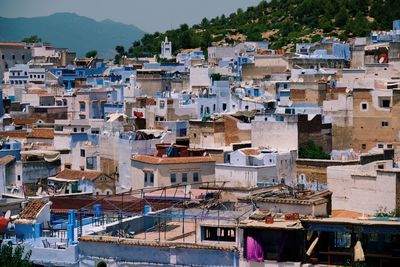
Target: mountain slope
(69,30)
(280,22)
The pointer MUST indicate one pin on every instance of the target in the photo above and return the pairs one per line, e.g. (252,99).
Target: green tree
(216,76)
(10,257)
(91,53)
(120,49)
(310,150)
(360,25)
(32,39)
(341,17)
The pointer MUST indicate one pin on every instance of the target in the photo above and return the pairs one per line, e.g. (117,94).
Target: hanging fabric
(312,246)
(358,252)
(254,250)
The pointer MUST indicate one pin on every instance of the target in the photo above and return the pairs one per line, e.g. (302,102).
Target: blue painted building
(10,148)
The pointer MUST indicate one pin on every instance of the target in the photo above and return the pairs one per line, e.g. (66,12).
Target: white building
(364,188)
(250,167)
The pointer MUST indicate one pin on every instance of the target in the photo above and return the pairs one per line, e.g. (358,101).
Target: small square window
(386,103)
(385,124)
(82,152)
(389,146)
(364,106)
(381,166)
(184,177)
(173,178)
(342,240)
(75,130)
(363,146)
(196,177)
(380,145)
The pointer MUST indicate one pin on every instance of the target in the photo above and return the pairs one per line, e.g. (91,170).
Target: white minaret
(132,90)
(166,49)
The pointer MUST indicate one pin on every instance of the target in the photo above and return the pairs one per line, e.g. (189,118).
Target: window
(381,166)
(82,130)
(380,145)
(172,177)
(214,107)
(385,124)
(223,106)
(67,165)
(13,56)
(184,177)
(162,104)
(2,56)
(384,102)
(342,240)
(364,106)
(363,146)
(23,58)
(75,130)
(196,177)
(82,152)
(148,178)
(246,107)
(219,234)
(19,177)
(95,131)
(82,106)
(389,146)
(91,163)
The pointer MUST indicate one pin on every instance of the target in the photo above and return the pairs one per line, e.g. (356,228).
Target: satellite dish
(381,60)
(329,77)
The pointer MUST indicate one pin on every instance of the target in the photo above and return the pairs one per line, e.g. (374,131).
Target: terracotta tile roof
(15,134)
(46,94)
(171,160)
(24,121)
(11,44)
(42,133)
(250,151)
(32,209)
(346,214)
(128,203)
(6,159)
(77,175)
(36,90)
(147,243)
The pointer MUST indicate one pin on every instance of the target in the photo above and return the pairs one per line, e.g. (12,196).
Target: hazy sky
(149,15)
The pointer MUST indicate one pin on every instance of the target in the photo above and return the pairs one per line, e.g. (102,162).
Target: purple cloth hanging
(254,250)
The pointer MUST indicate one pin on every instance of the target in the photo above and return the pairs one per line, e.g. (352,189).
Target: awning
(376,46)
(155,133)
(48,156)
(61,180)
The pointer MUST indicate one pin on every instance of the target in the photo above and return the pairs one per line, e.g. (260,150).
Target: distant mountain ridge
(78,33)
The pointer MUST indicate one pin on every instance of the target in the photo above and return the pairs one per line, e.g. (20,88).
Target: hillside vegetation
(281,22)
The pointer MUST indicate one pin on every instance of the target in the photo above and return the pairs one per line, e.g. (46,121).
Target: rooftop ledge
(134,242)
